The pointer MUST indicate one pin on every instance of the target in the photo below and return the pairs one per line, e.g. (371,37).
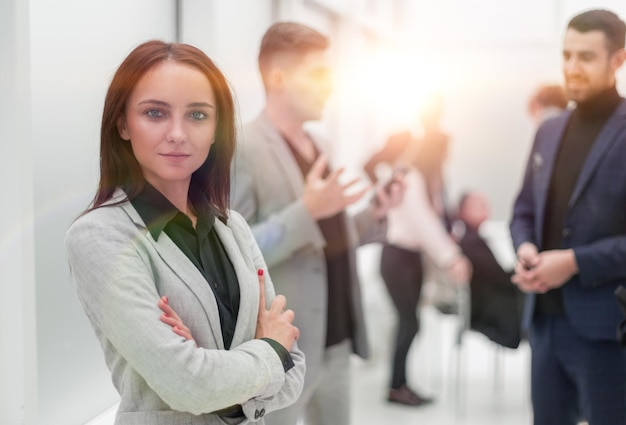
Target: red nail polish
(260,272)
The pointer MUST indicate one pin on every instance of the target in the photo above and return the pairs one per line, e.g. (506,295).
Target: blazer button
(566,232)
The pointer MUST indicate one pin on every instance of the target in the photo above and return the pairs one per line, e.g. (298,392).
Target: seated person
(496,304)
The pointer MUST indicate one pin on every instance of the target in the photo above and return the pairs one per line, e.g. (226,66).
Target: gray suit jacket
(120,272)
(267,187)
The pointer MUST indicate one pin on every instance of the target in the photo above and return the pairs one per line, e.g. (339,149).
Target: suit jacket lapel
(248,283)
(180,265)
(284,157)
(543,163)
(605,139)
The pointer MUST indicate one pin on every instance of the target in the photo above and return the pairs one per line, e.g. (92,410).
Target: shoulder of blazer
(111,213)
(258,132)
(238,226)
(555,123)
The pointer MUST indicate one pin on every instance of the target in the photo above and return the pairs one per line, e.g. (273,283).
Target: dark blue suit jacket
(595,223)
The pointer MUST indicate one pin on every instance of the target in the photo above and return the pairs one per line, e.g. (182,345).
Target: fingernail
(165,299)
(260,272)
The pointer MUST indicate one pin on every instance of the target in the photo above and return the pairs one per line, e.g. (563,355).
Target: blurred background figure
(417,229)
(496,304)
(291,194)
(547,101)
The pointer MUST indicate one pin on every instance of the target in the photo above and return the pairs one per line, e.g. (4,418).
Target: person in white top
(416,227)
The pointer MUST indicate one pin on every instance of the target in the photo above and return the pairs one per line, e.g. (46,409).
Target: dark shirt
(339,325)
(201,245)
(583,128)
(204,249)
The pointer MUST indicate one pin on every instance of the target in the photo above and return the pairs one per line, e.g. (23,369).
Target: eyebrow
(190,105)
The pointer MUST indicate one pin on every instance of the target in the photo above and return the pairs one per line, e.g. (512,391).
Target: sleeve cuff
(282,352)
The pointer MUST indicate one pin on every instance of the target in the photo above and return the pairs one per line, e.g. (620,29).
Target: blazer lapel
(284,157)
(180,265)
(543,163)
(605,139)
(248,283)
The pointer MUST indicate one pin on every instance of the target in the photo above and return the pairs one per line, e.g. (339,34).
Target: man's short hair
(291,38)
(602,20)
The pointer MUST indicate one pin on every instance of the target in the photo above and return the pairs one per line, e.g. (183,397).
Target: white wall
(230,33)
(18,389)
(75,46)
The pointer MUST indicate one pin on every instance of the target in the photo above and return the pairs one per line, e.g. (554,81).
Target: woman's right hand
(275,323)
(169,317)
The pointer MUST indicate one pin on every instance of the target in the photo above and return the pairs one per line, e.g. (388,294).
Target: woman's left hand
(169,317)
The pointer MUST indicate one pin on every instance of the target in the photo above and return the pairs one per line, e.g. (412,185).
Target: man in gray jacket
(295,201)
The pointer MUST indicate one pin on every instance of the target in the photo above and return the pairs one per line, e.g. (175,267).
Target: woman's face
(170,121)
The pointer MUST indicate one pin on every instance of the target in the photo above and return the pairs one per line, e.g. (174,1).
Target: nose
(571,66)
(176,131)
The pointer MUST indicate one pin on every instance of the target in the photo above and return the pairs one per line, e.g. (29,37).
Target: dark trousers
(575,378)
(403,273)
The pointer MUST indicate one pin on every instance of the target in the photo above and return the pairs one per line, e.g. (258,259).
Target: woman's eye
(154,113)
(198,115)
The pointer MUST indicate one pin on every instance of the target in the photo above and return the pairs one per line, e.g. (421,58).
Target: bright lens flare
(395,85)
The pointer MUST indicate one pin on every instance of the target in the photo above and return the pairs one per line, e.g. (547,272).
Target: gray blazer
(266,189)
(120,272)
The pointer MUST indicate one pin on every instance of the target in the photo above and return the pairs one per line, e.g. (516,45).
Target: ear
(122,128)
(618,58)
(276,77)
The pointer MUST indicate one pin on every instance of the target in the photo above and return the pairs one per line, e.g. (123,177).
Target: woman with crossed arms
(160,242)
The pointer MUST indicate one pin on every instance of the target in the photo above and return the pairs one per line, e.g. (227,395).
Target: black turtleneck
(585,123)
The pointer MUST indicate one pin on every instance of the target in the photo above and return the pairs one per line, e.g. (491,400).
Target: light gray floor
(491,388)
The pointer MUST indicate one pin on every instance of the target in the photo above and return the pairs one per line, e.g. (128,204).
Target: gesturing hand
(275,323)
(169,317)
(389,196)
(325,197)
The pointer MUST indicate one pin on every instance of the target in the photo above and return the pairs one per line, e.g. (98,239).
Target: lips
(175,157)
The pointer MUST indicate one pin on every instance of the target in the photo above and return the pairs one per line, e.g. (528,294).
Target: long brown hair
(118,165)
